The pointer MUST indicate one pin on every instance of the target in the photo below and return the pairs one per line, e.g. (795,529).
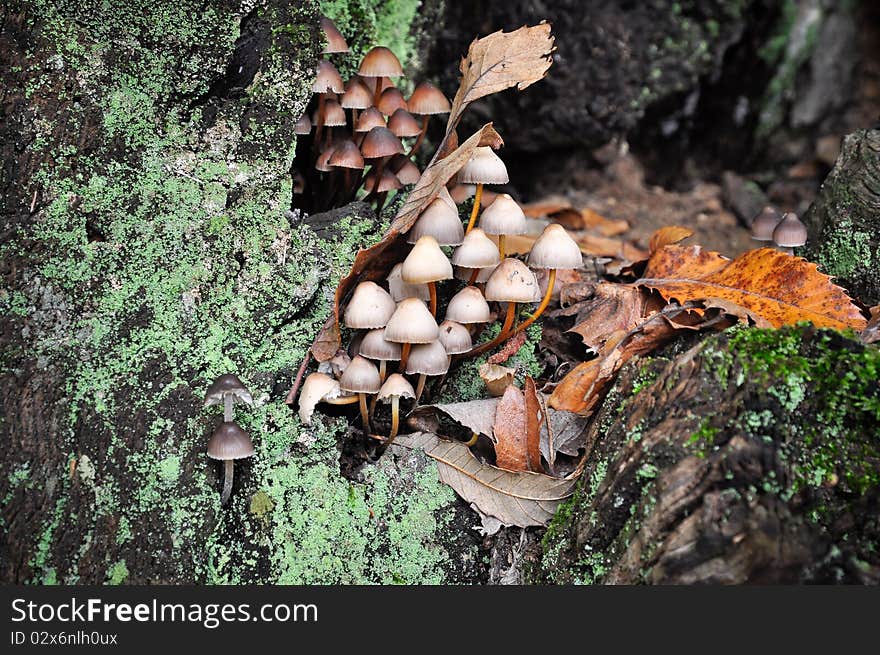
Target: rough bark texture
(147,247)
(753,456)
(844,222)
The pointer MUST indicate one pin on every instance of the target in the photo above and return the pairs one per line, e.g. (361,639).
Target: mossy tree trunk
(752,457)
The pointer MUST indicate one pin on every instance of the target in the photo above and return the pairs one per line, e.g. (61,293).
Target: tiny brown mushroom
(229,443)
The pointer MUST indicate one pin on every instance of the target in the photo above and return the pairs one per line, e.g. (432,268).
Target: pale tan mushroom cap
(503,216)
(335,40)
(327,79)
(396,385)
(315,388)
(440,222)
(485,167)
(229,441)
(380,62)
(791,232)
(361,376)
(370,307)
(476,251)
(428,359)
(455,338)
(426,263)
(468,306)
(400,289)
(374,346)
(412,323)
(555,249)
(512,281)
(356,96)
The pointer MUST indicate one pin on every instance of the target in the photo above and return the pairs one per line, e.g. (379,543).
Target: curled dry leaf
(522,499)
(668,235)
(613,308)
(871,333)
(496,378)
(607,227)
(476,415)
(517,432)
(771,287)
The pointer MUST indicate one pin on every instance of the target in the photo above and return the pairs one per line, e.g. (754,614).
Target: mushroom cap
(405,170)
(328,78)
(464,273)
(426,263)
(335,41)
(303,125)
(388,181)
(229,441)
(228,384)
(512,281)
(390,100)
(361,376)
(370,307)
(396,385)
(400,289)
(484,167)
(428,359)
(791,232)
(503,216)
(315,388)
(380,142)
(334,114)
(369,118)
(322,163)
(447,198)
(468,306)
(428,100)
(555,249)
(356,96)
(374,346)
(476,251)
(764,224)
(440,222)
(402,124)
(412,323)
(346,155)
(380,62)
(455,338)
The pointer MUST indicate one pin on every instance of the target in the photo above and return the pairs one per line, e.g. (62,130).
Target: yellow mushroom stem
(365,416)
(421,136)
(432,288)
(473,278)
(505,328)
(478,198)
(404,356)
(501,245)
(395,418)
(551,282)
(420,387)
(473,440)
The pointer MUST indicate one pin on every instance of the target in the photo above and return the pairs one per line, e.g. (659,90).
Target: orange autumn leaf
(517,439)
(607,227)
(770,287)
(668,235)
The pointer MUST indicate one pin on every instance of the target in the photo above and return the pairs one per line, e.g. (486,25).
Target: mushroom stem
(551,282)
(395,419)
(377,92)
(432,288)
(380,202)
(320,126)
(787,251)
(473,440)
(420,387)
(228,414)
(505,328)
(404,356)
(421,136)
(501,244)
(228,466)
(365,417)
(473,278)
(478,198)
(382,370)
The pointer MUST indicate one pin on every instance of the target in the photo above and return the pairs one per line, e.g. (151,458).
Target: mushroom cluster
(229,441)
(786,231)
(353,134)
(399,322)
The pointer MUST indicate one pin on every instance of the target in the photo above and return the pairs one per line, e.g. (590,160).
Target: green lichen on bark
(161,255)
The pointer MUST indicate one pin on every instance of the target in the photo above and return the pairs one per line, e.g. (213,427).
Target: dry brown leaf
(764,285)
(871,333)
(476,415)
(496,378)
(614,308)
(546,207)
(668,235)
(607,227)
(499,61)
(509,349)
(534,420)
(509,431)
(522,499)
(606,247)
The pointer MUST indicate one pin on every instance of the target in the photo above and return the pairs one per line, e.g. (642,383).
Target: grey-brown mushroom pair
(785,230)
(229,441)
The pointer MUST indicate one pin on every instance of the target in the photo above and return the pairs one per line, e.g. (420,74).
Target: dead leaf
(546,207)
(509,431)
(871,333)
(522,499)
(763,284)
(668,235)
(607,227)
(607,247)
(509,349)
(476,415)
(534,420)
(499,61)
(614,308)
